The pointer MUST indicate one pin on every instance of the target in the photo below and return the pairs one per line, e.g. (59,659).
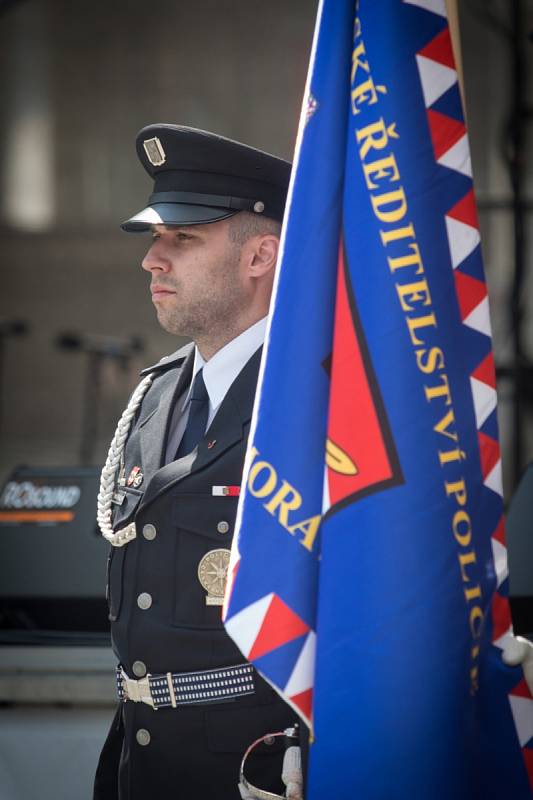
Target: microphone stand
(8,328)
(99,350)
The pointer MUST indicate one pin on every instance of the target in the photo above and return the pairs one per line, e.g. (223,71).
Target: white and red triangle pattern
(449,139)
(462,227)
(268,624)
(436,67)
(437,72)
(436,6)
(450,147)
(483,383)
(499,553)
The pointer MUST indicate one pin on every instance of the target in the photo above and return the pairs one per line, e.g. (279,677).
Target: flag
(368,575)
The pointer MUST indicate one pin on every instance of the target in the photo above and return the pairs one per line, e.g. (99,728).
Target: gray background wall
(77,82)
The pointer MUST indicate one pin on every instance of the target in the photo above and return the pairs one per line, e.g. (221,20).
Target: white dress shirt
(219,373)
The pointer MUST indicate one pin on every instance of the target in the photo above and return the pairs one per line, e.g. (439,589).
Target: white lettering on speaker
(28,495)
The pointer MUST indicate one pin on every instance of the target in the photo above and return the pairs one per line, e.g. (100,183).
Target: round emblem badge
(213,573)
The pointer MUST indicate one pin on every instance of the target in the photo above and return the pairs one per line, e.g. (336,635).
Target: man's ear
(263,255)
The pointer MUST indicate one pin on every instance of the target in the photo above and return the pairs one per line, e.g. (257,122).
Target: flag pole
(453,22)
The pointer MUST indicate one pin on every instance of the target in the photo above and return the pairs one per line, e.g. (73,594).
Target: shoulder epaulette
(171,361)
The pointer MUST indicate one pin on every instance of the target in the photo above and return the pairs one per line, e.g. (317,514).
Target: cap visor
(174,214)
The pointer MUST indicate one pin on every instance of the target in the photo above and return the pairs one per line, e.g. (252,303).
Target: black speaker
(52,558)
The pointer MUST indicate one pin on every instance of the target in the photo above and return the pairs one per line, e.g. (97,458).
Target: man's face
(196,284)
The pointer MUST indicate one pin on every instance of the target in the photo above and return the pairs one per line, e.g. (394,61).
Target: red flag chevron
(445,132)
(280,625)
(304,701)
(489,450)
(440,50)
(465,210)
(485,372)
(470,293)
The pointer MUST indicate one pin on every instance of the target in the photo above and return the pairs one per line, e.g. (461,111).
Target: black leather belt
(187,688)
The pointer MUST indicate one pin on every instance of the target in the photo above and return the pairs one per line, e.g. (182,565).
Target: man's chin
(170,324)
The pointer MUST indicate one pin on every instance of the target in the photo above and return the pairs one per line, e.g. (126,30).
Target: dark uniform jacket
(190,751)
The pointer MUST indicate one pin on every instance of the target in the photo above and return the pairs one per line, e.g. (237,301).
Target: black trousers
(192,752)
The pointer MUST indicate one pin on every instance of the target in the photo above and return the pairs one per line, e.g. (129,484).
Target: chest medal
(135,477)
(213,573)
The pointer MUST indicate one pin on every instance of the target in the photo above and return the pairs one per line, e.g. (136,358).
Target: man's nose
(155,259)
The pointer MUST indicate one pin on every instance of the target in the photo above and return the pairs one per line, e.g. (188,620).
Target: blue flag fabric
(368,576)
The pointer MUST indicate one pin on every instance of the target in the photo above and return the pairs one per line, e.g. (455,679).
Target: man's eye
(182,237)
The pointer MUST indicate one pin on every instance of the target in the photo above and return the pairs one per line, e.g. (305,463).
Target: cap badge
(259,207)
(154,150)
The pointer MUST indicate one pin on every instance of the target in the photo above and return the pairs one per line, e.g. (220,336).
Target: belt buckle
(138,691)
(145,694)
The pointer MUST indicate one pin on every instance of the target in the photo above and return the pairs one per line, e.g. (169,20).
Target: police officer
(189,704)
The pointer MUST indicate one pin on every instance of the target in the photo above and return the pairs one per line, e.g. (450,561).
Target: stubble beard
(214,311)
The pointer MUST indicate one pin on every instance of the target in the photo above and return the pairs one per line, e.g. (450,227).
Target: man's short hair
(244,225)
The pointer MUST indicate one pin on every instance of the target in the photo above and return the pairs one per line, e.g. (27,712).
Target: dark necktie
(198,416)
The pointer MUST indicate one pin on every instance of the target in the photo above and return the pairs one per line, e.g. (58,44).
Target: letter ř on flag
(411,698)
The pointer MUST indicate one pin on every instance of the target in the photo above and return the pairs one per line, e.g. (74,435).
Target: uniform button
(223,526)
(149,532)
(143,737)
(139,669)
(144,600)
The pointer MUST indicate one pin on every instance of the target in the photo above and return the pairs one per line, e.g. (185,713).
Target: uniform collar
(169,362)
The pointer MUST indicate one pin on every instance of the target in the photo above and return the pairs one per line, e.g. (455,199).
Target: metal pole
(455,35)
(93,384)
